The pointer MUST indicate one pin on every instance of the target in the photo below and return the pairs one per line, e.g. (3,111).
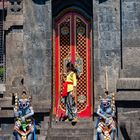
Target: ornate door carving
(73,43)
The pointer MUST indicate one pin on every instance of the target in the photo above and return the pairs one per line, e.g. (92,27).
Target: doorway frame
(90,19)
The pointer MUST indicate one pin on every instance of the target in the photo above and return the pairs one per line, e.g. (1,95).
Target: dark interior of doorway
(83,5)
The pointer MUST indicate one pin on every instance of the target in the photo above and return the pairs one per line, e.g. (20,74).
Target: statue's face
(105,103)
(24,103)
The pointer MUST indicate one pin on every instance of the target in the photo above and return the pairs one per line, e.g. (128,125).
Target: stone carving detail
(64,30)
(16,6)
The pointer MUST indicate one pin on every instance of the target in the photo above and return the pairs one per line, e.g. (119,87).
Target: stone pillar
(38,51)
(130,38)
(106,39)
(13,27)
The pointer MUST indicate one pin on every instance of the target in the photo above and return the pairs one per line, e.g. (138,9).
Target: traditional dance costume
(68,87)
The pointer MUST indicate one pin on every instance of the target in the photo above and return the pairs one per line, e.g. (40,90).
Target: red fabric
(73,41)
(65,87)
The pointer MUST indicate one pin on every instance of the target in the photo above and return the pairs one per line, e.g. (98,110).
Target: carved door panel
(72,43)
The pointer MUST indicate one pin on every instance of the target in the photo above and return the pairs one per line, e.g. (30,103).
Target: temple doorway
(72,42)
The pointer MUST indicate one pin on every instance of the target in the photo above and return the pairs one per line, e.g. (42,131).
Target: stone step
(66,125)
(41,137)
(6,134)
(6,113)
(7,137)
(2,133)
(45,122)
(130,73)
(132,114)
(2,88)
(128,83)
(73,133)
(82,130)
(43,132)
(7,128)
(44,125)
(135,137)
(6,102)
(46,118)
(127,96)
(70,138)
(70,131)
(79,124)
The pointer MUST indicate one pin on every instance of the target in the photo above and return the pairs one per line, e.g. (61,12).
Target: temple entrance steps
(82,130)
(6,128)
(6,107)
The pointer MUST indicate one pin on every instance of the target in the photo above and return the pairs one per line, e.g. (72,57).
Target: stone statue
(106,124)
(24,128)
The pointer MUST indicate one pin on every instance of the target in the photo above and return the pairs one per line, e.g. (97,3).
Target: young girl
(69,91)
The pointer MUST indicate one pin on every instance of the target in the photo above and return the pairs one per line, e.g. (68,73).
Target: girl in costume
(69,91)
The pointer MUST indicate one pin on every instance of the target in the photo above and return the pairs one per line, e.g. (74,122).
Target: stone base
(82,130)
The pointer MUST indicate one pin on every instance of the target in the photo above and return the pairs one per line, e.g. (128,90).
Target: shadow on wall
(128,104)
(7,120)
(124,132)
(41,2)
(101,1)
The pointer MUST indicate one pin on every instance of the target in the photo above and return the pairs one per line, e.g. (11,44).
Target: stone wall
(115,45)
(38,49)
(106,15)
(28,50)
(27,28)
(131,37)
(128,97)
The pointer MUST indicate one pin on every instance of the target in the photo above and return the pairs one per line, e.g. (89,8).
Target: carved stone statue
(24,124)
(106,125)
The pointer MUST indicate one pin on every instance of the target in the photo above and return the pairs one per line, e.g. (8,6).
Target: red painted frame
(87,112)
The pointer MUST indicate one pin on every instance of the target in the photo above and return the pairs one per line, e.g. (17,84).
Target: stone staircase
(6,117)
(43,128)
(6,107)
(82,130)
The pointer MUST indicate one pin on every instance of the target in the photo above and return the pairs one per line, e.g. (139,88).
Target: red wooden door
(72,43)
